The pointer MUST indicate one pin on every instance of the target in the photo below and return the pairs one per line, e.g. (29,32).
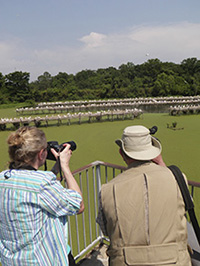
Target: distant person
(142,210)
(34,205)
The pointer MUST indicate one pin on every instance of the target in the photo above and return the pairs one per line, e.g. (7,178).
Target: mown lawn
(96,141)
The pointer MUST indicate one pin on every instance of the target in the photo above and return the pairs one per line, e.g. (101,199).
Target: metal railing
(84,232)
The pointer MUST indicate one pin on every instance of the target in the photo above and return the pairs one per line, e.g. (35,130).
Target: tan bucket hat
(138,144)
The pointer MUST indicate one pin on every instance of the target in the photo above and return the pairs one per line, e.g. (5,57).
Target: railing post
(89,207)
(95,197)
(83,215)
(98,177)
(192,191)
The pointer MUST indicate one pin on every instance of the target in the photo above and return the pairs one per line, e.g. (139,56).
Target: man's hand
(159,160)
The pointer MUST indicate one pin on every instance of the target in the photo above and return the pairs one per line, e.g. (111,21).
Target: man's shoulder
(128,173)
(134,172)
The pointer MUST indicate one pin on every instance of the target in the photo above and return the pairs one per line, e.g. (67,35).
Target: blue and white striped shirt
(33,218)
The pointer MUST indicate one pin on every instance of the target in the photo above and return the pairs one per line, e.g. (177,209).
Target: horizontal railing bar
(98,163)
(119,167)
(193,183)
(89,247)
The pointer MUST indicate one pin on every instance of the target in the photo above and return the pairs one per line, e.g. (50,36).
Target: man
(142,210)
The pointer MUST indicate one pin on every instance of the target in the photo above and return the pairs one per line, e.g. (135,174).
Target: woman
(34,205)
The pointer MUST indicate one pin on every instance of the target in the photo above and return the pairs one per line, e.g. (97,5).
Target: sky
(38,36)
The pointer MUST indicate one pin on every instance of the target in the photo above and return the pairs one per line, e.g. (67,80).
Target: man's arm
(101,220)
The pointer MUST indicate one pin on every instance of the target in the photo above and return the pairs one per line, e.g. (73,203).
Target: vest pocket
(151,255)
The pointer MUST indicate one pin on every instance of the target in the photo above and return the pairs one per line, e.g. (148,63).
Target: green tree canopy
(17,86)
(151,78)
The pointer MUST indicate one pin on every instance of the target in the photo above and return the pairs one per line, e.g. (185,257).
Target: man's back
(145,219)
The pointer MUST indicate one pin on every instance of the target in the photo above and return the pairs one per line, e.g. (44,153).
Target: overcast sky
(73,35)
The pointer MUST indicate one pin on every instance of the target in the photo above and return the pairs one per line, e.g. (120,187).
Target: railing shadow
(96,257)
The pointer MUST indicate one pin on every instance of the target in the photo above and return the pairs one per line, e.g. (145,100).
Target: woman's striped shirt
(33,218)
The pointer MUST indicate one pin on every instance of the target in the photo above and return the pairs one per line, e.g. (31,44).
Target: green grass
(96,141)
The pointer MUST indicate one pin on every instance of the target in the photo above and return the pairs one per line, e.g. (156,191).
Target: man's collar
(136,163)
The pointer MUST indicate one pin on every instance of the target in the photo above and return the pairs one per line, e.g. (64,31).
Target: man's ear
(126,159)
(121,153)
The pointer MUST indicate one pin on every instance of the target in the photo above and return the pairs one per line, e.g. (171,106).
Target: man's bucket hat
(138,144)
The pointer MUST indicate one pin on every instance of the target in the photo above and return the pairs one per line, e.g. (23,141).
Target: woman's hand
(65,156)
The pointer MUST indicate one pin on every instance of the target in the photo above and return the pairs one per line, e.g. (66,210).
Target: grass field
(96,141)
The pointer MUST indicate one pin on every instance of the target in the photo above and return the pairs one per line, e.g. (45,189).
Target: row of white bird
(104,106)
(69,116)
(184,109)
(140,99)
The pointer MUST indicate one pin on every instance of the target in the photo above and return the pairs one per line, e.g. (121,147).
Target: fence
(84,232)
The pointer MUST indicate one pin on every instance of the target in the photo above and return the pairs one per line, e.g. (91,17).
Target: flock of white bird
(97,110)
(79,117)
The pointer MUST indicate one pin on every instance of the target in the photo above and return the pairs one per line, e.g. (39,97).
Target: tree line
(150,79)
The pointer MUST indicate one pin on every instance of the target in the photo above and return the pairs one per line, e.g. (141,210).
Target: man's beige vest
(145,218)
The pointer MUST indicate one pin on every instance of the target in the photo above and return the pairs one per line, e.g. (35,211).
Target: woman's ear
(41,155)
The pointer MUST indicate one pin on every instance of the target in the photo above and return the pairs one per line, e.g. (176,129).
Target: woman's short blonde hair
(24,144)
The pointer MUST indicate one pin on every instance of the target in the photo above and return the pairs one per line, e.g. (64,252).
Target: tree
(17,86)
(85,79)
(60,80)
(3,94)
(152,68)
(190,66)
(163,85)
(44,81)
(128,71)
(152,78)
